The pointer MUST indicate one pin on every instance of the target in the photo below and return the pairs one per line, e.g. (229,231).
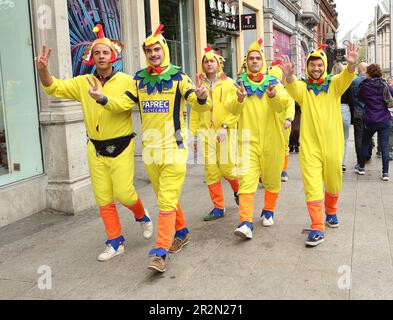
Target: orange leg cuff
(180,219)
(270,201)
(234,184)
(165,229)
(331,203)
(246,207)
(138,209)
(111,221)
(216,195)
(316,215)
(286,164)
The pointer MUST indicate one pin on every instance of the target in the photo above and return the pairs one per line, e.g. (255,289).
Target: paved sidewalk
(275,264)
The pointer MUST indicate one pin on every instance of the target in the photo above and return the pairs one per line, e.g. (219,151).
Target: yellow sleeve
(231,120)
(124,102)
(194,122)
(232,104)
(65,89)
(281,100)
(343,80)
(290,109)
(187,90)
(295,89)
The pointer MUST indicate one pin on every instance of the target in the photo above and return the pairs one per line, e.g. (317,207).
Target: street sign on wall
(249,21)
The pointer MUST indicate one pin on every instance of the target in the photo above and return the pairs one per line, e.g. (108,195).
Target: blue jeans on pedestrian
(383,138)
(346,117)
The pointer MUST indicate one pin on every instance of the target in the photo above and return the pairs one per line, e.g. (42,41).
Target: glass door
(20,143)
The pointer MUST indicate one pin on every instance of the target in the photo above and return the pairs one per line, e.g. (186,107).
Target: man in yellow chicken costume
(321,134)
(217,129)
(258,100)
(286,117)
(110,149)
(161,91)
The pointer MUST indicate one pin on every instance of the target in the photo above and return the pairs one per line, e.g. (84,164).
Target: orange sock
(246,207)
(111,221)
(316,215)
(180,218)
(285,164)
(165,229)
(216,195)
(331,203)
(270,201)
(138,209)
(234,184)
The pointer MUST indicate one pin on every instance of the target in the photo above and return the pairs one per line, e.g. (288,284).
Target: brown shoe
(157,264)
(178,244)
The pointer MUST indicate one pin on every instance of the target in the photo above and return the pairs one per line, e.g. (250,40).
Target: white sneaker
(243,232)
(267,222)
(147,227)
(109,253)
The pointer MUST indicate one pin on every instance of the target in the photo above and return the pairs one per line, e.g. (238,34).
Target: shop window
(177,15)
(20,145)
(281,44)
(222,19)
(82,16)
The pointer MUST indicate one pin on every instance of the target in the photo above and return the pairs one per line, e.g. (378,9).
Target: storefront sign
(249,21)
(223,15)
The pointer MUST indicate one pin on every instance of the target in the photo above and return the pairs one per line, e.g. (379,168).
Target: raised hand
(95,91)
(352,55)
(43,59)
(241,92)
(201,91)
(288,67)
(271,91)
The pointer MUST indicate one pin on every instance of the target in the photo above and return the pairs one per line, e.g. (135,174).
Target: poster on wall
(82,17)
(223,15)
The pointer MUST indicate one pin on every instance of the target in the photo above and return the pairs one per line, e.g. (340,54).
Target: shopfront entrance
(20,143)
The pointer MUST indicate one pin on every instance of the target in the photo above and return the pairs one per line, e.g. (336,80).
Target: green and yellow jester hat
(317,53)
(209,54)
(115,45)
(157,37)
(256,46)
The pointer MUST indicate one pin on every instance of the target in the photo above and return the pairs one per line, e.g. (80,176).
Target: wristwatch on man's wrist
(289,119)
(224,126)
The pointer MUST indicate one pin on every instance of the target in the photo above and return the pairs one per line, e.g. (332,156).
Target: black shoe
(236,195)
(344,168)
(296,149)
(291,149)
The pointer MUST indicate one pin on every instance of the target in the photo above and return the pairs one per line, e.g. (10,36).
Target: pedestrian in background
(376,95)
(358,107)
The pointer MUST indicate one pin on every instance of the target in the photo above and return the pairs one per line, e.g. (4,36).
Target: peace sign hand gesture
(42,60)
(201,91)
(95,91)
(241,92)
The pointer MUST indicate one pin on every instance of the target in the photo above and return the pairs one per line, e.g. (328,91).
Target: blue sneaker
(244,230)
(332,221)
(315,237)
(215,214)
(284,176)
(267,218)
